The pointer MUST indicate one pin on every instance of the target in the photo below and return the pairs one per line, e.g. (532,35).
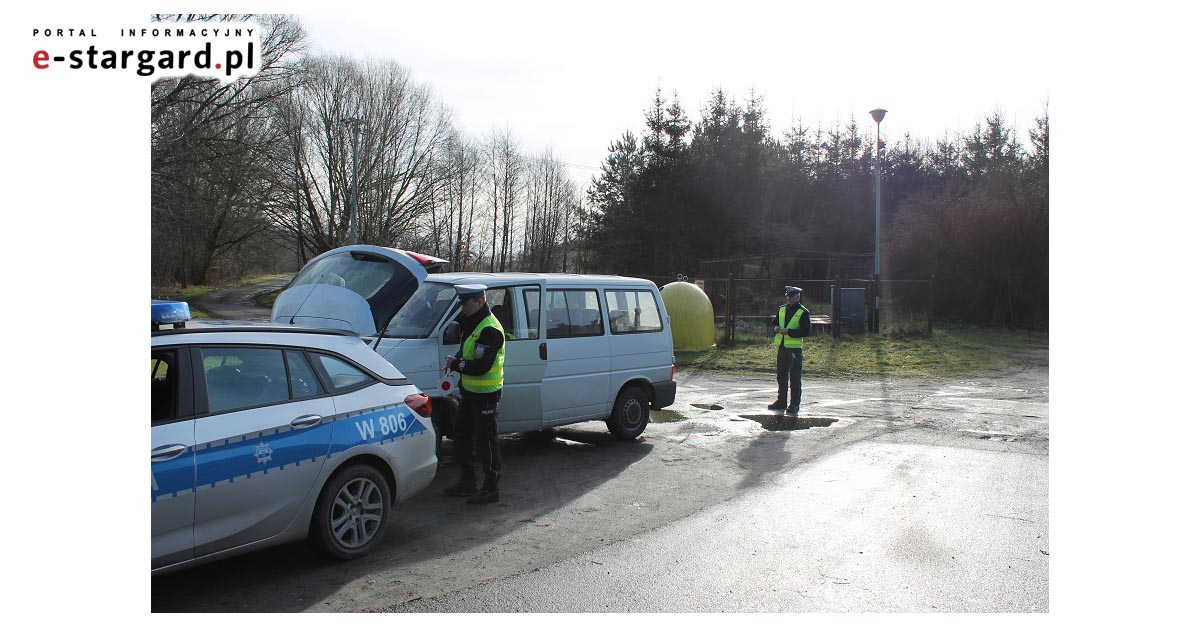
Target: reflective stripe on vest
(787,341)
(492,380)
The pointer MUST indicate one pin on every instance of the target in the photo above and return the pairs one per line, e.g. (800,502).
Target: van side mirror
(452,334)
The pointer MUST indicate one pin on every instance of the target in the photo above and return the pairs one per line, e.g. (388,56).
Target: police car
(262,435)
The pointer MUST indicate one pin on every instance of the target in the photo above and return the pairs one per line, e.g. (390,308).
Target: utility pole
(877,114)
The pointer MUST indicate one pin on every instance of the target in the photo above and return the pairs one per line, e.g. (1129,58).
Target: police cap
(470,290)
(791,291)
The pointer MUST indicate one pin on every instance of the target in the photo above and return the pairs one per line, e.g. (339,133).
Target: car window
(301,376)
(532,298)
(632,311)
(163,385)
(422,312)
(341,374)
(572,313)
(363,274)
(243,377)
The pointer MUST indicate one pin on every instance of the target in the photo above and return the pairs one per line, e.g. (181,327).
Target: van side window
(500,302)
(573,313)
(532,297)
(632,311)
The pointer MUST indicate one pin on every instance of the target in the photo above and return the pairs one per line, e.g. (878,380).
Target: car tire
(630,414)
(352,513)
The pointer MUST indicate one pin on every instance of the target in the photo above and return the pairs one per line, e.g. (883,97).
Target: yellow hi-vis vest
(492,380)
(787,341)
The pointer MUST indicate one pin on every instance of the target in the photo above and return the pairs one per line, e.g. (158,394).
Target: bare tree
(551,199)
(401,127)
(211,143)
(504,177)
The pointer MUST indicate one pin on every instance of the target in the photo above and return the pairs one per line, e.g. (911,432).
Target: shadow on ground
(543,472)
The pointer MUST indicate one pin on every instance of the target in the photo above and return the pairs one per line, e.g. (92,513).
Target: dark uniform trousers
(477,436)
(787,369)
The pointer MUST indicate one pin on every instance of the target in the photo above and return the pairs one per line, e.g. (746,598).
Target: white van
(578,348)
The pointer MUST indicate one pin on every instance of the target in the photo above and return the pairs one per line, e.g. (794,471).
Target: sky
(573,77)
(1122,226)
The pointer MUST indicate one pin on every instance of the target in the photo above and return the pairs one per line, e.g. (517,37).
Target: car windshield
(363,274)
(422,312)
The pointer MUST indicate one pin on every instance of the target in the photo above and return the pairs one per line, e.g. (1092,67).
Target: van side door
(576,386)
(519,310)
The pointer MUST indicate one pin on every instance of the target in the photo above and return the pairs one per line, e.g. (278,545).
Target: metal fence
(744,308)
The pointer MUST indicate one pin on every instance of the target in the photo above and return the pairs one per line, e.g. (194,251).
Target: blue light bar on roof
(169,312)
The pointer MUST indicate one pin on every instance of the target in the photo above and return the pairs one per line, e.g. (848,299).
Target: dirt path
(237,303)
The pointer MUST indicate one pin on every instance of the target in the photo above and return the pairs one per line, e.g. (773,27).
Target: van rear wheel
(630,414)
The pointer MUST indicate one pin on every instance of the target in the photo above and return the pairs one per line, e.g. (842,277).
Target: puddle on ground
(665,416)
(708,406)
(783,422)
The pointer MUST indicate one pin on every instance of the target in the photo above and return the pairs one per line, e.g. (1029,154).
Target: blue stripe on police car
(241,457)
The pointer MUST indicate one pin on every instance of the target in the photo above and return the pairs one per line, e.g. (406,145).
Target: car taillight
(420,403)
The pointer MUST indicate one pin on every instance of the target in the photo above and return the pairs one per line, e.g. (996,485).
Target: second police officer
(480,360)
(792,325)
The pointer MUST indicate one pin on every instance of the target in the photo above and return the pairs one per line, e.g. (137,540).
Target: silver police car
(261,435)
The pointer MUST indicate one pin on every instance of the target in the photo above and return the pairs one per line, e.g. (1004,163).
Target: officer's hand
(450,361)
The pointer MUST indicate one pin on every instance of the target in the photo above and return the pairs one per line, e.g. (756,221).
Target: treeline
(972,210)
(257,175)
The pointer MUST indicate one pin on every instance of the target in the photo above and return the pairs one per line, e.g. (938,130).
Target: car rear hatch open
(358,287)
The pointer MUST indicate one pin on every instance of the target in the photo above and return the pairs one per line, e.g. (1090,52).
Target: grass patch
(263,279)
(951,351)
(267,299)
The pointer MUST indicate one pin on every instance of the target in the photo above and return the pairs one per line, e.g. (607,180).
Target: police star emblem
(262,453)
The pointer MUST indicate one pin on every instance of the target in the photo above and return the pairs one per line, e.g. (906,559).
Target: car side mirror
(452,334)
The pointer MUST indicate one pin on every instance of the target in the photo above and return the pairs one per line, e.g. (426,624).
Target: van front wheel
(630,414)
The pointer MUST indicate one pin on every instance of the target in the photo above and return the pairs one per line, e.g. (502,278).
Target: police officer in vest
(480,359)
(792,325)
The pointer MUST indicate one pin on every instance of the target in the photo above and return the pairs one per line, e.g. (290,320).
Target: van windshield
(422,312)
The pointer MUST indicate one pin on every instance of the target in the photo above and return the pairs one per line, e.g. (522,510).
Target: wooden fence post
(835,303)
(729,308)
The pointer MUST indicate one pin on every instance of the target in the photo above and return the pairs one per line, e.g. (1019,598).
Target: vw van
(578,347)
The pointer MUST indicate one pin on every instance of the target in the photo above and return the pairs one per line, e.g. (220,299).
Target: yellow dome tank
(692,327)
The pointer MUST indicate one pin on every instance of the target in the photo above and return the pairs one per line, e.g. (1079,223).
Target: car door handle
(307,420)
(542,350)
(166,452)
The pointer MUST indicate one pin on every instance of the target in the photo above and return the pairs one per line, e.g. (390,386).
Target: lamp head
(878,115)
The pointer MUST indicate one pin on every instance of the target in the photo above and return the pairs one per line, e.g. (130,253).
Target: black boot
(778,405)
(463,487)
(485,495)
(793,409)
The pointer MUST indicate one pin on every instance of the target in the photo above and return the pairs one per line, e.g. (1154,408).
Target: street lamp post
(355,125)
(877,114)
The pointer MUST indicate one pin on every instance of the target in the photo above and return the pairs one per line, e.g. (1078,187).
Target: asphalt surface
(895,495)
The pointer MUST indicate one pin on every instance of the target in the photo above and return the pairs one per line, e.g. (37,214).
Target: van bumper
(664,395)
